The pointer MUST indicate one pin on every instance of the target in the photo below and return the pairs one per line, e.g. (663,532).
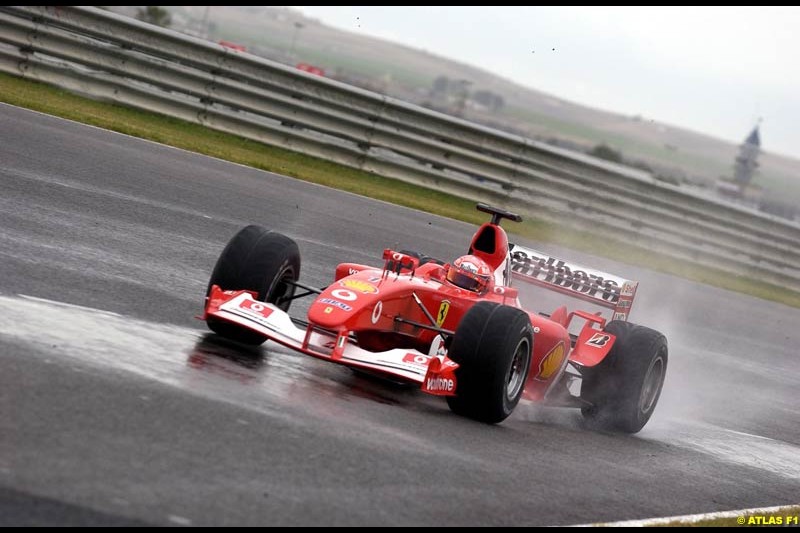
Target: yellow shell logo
(360,286)
(551,362)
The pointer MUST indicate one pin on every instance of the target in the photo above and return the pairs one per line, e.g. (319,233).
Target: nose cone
(341,303)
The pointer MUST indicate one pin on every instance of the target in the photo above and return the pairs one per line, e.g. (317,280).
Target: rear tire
(257,260)
(492,346)
(624,388)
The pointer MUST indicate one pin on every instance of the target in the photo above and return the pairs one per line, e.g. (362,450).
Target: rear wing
(574,280)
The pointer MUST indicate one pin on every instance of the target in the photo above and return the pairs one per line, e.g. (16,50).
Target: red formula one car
(457,329)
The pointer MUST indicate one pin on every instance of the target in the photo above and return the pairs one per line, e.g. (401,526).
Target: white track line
(65,304)
(691,518)
(748,434)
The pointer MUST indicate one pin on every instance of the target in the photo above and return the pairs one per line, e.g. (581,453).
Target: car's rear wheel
(624,388)
(257,260)
(492,346)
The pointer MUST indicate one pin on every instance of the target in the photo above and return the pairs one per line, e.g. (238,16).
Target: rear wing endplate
(588,284)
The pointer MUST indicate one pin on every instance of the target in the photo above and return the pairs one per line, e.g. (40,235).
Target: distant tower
(747,160)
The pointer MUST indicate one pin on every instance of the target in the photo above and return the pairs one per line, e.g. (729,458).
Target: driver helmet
(471,273)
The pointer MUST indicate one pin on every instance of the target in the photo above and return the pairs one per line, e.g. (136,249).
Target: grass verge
(196,138)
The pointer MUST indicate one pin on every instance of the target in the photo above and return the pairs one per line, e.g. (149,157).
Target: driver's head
(470,272)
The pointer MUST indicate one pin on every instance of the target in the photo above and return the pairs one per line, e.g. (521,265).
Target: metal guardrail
(111,57)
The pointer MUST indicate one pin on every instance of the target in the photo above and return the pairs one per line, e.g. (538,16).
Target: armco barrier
(111,57)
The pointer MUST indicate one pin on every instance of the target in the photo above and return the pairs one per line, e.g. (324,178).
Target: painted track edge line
(690,518)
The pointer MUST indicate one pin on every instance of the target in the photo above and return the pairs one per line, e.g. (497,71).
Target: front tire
(624,388)
(257,260)
(492,345)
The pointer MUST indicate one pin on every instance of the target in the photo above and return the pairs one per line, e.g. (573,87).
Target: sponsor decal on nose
(258,308)
(359,285)
(335,303)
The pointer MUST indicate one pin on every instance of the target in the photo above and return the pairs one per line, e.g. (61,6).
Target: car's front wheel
(257,260)
(493,346)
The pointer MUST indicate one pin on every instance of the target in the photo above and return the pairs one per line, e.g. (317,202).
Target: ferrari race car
(457,329)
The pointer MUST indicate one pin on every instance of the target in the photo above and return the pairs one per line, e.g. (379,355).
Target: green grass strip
(197,138)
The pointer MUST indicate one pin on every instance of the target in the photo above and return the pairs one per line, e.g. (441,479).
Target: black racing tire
(257,260)
(624,388)
(493,346)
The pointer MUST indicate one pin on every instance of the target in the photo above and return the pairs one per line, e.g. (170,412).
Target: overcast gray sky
(711,69)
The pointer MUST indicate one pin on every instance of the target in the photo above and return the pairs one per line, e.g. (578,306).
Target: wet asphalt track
(119,409)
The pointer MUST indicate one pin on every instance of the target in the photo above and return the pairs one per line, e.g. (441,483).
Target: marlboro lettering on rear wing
(575,280)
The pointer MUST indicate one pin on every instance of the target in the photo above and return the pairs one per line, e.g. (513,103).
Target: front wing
(435,372)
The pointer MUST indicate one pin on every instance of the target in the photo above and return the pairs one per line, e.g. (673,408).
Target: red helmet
(470,272)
